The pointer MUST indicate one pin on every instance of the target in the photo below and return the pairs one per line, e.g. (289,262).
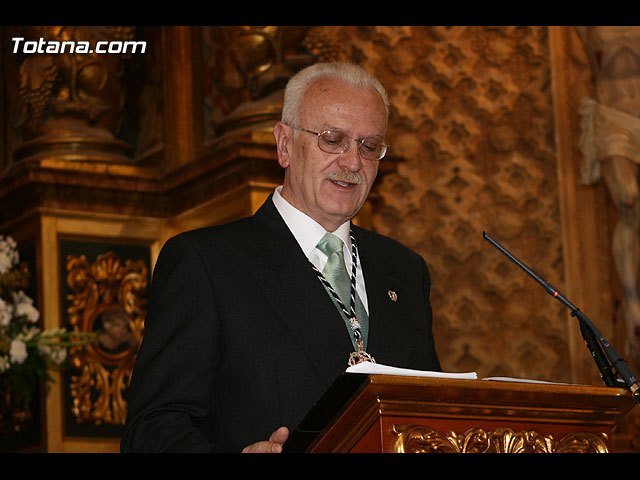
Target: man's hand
(273,445)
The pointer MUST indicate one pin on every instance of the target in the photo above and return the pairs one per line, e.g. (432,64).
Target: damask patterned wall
(472,132)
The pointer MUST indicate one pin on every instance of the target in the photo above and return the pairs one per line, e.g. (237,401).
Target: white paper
(521,380)
(378,369)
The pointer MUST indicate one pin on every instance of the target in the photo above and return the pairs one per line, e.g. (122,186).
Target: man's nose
(351,159)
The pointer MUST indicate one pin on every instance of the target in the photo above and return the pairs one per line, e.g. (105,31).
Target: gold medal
(360,357)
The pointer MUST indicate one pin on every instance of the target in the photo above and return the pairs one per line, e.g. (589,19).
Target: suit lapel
(287,279)
(386,342)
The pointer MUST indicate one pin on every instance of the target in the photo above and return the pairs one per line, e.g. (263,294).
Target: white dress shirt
(308,233)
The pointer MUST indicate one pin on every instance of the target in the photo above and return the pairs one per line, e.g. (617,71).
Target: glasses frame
(359,141)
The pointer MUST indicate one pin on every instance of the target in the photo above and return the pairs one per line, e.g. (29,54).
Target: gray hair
(348,72)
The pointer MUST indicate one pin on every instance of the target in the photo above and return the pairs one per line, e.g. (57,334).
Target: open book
(378,369)
(523,380)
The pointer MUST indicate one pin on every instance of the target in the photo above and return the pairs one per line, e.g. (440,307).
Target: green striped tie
(336,274)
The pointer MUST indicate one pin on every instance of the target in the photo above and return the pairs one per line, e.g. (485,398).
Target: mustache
(346,176)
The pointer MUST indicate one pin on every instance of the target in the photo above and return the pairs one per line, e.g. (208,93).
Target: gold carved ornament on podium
(107,299)
(422,439)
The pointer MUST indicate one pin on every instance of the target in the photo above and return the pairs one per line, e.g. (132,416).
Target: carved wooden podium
(398,414)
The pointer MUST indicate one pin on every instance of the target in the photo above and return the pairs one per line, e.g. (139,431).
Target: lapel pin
(392,295)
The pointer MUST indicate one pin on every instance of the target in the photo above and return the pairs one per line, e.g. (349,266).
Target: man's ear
(282,132)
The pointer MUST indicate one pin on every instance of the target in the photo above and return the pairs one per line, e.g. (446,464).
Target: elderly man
(250,322)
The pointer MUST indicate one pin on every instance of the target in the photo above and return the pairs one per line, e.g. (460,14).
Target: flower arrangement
(27,352)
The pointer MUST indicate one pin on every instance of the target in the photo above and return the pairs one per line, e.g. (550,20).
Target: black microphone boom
(596,343)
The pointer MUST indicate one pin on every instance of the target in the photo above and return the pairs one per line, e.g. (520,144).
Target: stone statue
(72,102)
(610,143)
(250,66)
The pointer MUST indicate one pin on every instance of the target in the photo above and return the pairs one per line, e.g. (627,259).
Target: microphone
(596,343)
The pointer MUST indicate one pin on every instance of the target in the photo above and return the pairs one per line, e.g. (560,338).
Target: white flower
(5,262)
(8,254)
(29,332)
(6,313)
(28,311)
(53,333)
(24,306)
(58,355)
(55,353)
(18,351)
(21,297)
(4,363)
(8,243)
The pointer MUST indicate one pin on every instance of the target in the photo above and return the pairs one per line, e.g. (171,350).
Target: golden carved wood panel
(422,439)
(105,293)
(109,298)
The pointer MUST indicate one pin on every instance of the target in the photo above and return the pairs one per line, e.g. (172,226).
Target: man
(243,335)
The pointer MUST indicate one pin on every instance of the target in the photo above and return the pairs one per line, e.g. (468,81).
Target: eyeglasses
(336,141)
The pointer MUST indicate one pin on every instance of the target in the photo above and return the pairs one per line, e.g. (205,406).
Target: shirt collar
(305,229)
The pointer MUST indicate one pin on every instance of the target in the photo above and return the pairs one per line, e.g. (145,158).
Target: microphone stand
(587,330)
(605,356)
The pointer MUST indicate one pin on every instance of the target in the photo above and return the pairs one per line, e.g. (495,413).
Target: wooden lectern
(399,414)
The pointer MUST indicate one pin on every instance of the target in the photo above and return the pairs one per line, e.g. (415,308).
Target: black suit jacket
(241,336)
